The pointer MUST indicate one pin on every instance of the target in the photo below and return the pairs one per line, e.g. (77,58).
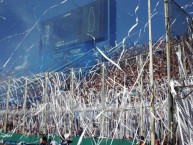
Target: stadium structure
(125,95)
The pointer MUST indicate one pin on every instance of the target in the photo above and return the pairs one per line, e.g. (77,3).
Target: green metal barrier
(32,139)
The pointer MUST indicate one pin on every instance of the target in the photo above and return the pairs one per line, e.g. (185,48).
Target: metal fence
(181,34)
(181,23)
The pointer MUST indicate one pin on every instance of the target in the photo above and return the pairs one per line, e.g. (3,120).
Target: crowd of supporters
(124,88)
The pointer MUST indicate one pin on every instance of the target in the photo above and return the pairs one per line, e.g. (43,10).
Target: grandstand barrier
(13,139)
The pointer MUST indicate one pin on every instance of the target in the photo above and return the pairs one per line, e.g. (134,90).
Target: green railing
(32,139)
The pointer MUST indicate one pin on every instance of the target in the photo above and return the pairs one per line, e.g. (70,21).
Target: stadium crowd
(124,89)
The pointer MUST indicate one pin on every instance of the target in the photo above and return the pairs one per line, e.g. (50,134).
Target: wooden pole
(152,108)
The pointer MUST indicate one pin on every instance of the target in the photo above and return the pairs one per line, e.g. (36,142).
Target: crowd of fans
(125,89)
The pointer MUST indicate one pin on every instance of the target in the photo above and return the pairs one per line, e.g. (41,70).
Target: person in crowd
(156,140)
(79,132)
(96,131)
(52,142)
(43,140)
(66,141)
(142,141)
(67,134)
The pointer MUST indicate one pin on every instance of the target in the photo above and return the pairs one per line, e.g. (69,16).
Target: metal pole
(7,106)
(70,103)
(184,60)
(102,97)
(192,28)
(179,66)
(24,106)
(141,90)
(168,53)
(45,102)
(152,109)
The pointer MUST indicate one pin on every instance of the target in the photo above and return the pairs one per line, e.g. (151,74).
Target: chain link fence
(181,34)
(181,22)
